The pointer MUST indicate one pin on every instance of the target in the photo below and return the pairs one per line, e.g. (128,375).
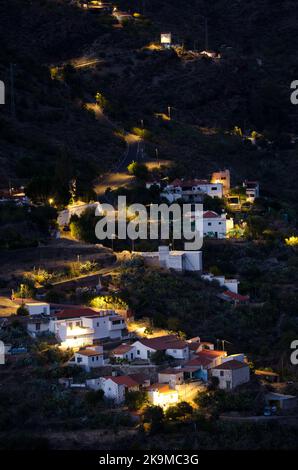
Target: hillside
(55,137)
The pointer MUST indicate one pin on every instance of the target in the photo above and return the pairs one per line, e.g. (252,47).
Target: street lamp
(206,31)
(169,111)
(112,239)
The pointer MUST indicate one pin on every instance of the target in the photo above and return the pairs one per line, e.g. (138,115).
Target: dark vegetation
(264,329)
(52,139)
(22,227)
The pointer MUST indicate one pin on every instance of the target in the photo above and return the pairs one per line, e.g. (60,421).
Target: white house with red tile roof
(115,387)
(191,190)
(81,326)
(216,225)
(231,373)
(162,395)
(170,344)
(124,351)
(88,358)
(207,358)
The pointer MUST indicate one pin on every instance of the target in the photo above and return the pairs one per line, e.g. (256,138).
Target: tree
(40,189)
(154,415)
(101,100)
(139,170)
(136,399)
(93,397)
(22,311)
(213,204)
(158,357)
(214,383)
(181,410)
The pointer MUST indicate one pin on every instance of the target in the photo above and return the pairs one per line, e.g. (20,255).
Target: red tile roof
(210,215)
(162,343)
(162,388)
(125,380)
(188,183)
(231,365)
(199,362)
(122,349)
(139,378)
(212,353)
(233,296)
(89,352)
(75,313)
(205,357)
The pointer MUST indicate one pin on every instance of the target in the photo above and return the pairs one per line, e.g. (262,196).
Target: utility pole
(12,97)
(206,34)
(157,157)
(144,6)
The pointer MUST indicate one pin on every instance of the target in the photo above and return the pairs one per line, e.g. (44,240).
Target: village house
(202,362)
(124,352)
(38,325)
(171,345)
(172,259)
(191,190)
(223,177)
(234,202)
(231,284)
(37,308)
(281,401)
(88,358)
(195,345)
(162,395)
(172,376)
(215,225)
(231,373)
(116,387)
(79,327)
(252,189)
(78,209)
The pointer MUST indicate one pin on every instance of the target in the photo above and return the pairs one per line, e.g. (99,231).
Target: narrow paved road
(132,154)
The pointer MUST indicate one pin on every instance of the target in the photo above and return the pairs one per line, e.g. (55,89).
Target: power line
(12,92)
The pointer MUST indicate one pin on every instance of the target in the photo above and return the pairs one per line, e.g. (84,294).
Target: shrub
(22,311)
